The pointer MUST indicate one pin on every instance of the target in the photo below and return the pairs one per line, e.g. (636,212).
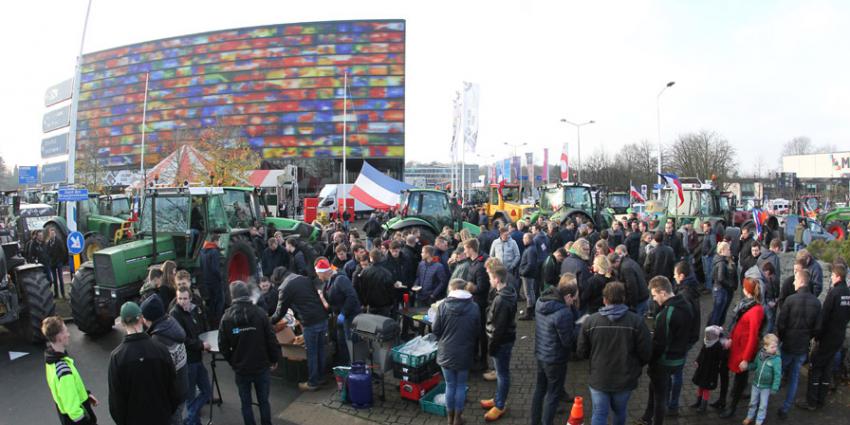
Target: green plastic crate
(410,360)
(426,403)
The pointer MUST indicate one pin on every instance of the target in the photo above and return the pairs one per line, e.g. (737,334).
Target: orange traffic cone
(577,412)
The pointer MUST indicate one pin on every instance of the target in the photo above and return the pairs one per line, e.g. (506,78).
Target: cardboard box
(289,350)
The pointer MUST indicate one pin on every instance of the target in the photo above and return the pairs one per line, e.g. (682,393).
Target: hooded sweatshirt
(501,327)
(618,344)
(555,326)
(456,327)
(672,329)
(168,332)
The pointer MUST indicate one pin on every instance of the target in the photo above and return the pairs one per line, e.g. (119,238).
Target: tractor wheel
(39,303)
(426,236)
(83,304)
(584,217)
(94,242)
(58,230)
(241,261)
(837,229)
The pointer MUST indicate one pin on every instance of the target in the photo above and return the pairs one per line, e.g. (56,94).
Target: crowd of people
(590,293)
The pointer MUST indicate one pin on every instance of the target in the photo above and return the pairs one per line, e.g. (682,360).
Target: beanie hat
(322,266)
(239,289)
(130,312)
(152,308)
(712,335)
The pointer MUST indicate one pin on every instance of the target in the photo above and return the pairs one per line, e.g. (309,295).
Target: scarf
(743,306)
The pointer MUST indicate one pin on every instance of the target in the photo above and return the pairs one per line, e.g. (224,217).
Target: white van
(329,195)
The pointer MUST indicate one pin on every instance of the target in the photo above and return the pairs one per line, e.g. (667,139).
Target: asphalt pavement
(25,398)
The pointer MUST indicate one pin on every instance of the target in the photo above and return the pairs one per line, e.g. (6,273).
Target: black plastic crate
(415,374)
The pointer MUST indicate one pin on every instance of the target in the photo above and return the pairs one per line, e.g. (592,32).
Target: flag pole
(144,118)
(344,134)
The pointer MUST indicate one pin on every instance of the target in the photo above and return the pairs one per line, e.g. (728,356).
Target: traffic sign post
(76,243)
(73,195)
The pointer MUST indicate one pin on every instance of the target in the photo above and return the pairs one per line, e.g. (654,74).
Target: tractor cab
(702,202)
(428,211)
(562,201)
(505,203)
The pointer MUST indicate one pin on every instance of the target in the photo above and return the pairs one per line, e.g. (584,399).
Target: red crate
(414,392)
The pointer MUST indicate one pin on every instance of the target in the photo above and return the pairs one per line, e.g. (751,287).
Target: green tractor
(565,200)
(175,222)
(244,205)
(702,202)
(26,296)
(837,222)
(428,210)
(102,219)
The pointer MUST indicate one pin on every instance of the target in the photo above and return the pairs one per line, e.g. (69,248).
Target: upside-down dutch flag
(376,189)
(673,181)
(759,217)
(636,194)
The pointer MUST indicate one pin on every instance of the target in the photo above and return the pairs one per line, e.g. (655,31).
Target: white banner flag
(470,115)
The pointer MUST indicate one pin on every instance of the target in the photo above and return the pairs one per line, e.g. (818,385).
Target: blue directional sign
(76,243)
(54,146)
(73,195)
(28,174)
(54,173)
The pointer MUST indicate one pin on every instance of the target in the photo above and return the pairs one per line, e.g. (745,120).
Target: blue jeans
(708,269)
(718,311)
(604,401)
(530,291)
(455,388)
(548,392)
(758,401)
(791,364)
(199,378)
(675,389)
(261,383)
(314,342)
(769,317)
(343,336)
(502,364)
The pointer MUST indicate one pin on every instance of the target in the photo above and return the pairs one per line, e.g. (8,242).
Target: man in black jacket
(246,341)
(273,257)
(480,290)
(343,302)
(674,241)
(669,346)
(297,260)
(618,344)
(501,332)
(551,272)
(687,286)
(529,272)
(212,278)
(634,281)
(193,321)
(301,295)
(142,380)
(798,321)
(829,336)
(661,260)
(633,242)
(168,332)
(377,292)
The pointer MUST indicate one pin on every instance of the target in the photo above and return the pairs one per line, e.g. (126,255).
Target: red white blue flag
(673,181)
(636,194)
(376,189)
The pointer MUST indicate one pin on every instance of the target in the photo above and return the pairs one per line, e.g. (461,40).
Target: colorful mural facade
(281,86)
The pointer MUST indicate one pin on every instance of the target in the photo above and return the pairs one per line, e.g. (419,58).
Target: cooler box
(415,374)
(379,333)
(413,391)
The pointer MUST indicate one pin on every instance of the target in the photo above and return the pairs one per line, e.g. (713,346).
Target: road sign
(76,243)
(59,92)
(56,119)
(657,186)
(54,173)
(54,146)
(28,174)
(73,195)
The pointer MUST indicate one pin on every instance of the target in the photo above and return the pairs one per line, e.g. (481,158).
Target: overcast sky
(757,72)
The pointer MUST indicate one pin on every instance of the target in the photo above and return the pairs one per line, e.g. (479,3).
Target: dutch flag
(376,189)
(673,181)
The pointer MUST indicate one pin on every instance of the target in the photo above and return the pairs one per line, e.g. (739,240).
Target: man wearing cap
(167,331)
(246,341)
(299,293)
(142,380)
(343,302)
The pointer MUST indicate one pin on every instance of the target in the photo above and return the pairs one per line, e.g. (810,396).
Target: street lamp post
(658,118)
(578,139)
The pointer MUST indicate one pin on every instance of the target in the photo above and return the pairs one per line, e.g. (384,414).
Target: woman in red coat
(744,345)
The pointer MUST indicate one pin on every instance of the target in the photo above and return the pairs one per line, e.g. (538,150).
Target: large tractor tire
(39,303)
(94,242)
(837,229)
(83,307)
(241,261)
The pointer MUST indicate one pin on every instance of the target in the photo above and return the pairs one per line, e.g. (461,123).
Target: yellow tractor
(505,203)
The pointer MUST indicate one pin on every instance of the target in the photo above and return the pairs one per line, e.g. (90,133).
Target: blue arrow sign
(73,195)
(76,243)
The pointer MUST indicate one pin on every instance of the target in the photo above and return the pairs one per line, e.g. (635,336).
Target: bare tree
(703,154)
(800,145)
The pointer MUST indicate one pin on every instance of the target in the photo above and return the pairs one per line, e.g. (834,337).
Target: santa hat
(323,266)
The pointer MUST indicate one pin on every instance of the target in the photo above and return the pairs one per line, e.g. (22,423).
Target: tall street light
(658,117)
(578,137)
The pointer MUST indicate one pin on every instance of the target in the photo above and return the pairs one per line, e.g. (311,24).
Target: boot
(696,404)
(528,314)
(703,405)
(728,413)
(450,417)
(459,418)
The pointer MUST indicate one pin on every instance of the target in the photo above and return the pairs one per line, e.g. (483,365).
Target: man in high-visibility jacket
(73,402)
